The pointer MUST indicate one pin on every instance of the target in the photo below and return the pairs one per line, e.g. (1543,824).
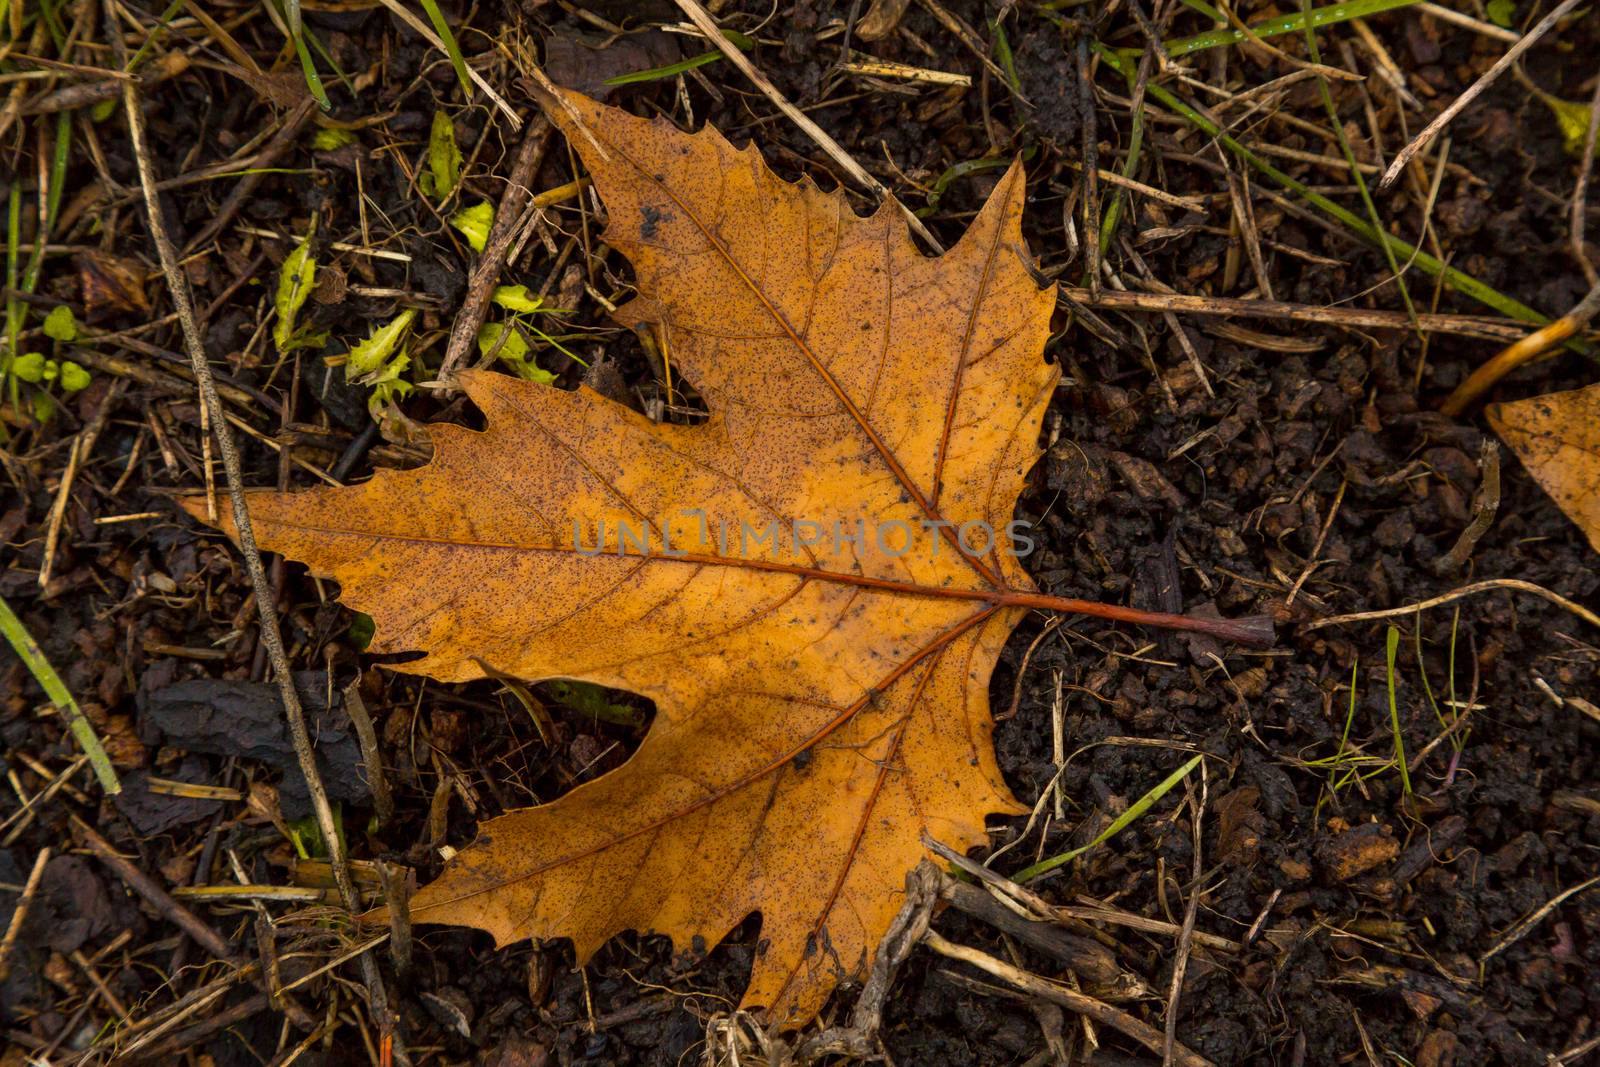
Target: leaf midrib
(698,559)
(889,458)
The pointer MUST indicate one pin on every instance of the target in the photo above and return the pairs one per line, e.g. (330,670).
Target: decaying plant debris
(1374,841)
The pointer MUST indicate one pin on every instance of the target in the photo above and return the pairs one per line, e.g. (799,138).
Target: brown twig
(254,171)
(1460,594)
(20,819)
(19,913)
(708,26)
(1088,959)
(58,509)
(82,444)
(406,15)
(1580,190)
(1522,926)
(1098,912)
(154,894)
(371,757)
(859,1039)
(1097,1010)
(266,608)
(1349,318)
(1088,117)
(171,1049)
(1022,668)
(1316,547)
(486,272)
(1485,504)
(1525,351)
(1467,22)
(398,884)
(968,37)
(1473,91)
(175,913)
(1191,911)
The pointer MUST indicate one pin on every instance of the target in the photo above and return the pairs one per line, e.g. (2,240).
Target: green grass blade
(161,24)
(452,49)
(1122,822)
(1203,8)
(672,70)
(1002,51)
(1391,644)
(1130,166)
(1305,20)
(1355,171)
(1462,283)
(961,170)
(329,60)
(28,651)
(52,207)
(1422,672)
(14,306)
(1350,716)
(309,68)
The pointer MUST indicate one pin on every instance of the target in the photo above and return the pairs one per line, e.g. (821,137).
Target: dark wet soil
(1367,917)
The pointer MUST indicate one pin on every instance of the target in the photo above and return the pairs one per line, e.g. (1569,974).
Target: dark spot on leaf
(652,217)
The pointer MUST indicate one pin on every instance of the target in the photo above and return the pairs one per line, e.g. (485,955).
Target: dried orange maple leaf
(1557,437)
(820,708)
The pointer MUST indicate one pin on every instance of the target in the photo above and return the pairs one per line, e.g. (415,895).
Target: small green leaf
(529,371)
(514,352)
(60,325)
(104,109)
(444,158)
(387,385)
(29,367)
(296,279)
(474,223)
(516,298)
(513,349)
(589,700)
(73,377)
(330,138)
(361,630)
(306,834)
(1573,119)
(44,405)
(369,357)
(1502,12)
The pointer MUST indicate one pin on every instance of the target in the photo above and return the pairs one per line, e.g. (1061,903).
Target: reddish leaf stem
(1254,631)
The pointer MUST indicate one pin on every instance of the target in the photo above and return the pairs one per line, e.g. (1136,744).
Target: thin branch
(404,14)
(1071,999)
(1525,350)
(1580,191)
(270,635)
(1459,104)
(486,272)
(708,26)
(1461,594)
(19,912)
